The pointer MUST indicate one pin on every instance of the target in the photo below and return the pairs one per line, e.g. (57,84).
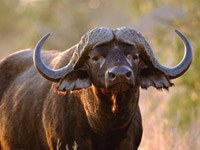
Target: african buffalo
(88,93)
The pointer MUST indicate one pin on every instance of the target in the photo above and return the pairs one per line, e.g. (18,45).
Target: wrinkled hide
(88,93)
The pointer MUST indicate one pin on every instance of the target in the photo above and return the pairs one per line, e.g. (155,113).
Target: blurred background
(171,119)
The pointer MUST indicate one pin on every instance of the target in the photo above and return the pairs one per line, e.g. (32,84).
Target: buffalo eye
(96,58)
(134,57)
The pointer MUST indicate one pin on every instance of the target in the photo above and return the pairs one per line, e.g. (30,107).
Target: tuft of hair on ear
(164,88)
(161,89)
(155,78)
(74,81)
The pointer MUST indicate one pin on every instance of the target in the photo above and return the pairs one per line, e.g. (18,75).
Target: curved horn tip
(41,41)
(177,31)
(180,34)
(45,36)
(178,70)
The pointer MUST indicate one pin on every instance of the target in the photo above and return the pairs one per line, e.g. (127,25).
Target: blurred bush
(183,107)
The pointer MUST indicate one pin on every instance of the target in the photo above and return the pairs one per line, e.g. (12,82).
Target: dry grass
(160,133)
(161,139)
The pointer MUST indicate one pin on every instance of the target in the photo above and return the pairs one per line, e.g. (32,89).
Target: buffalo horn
(178,70)
(45,71)
(131,36)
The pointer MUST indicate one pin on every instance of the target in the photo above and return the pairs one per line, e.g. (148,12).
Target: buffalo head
(113,60)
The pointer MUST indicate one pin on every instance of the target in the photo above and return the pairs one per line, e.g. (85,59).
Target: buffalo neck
(99,109)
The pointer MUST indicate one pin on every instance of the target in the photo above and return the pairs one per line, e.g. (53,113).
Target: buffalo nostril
(111,75)
(128,74)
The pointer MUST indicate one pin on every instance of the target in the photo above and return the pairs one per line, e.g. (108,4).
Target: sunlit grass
(162,133)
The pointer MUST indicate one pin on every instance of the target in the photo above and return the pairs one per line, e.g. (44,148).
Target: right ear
(150,76)
(74,80)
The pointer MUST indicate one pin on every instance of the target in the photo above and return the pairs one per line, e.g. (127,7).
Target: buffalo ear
(74,80)
(150,76)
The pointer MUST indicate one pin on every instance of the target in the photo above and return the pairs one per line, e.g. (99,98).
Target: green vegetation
(184,105)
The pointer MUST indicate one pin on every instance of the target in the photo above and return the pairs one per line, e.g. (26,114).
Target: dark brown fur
(32,116)
(95,103)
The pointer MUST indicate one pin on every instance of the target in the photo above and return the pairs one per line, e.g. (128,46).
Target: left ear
(74,80)
(150,76)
